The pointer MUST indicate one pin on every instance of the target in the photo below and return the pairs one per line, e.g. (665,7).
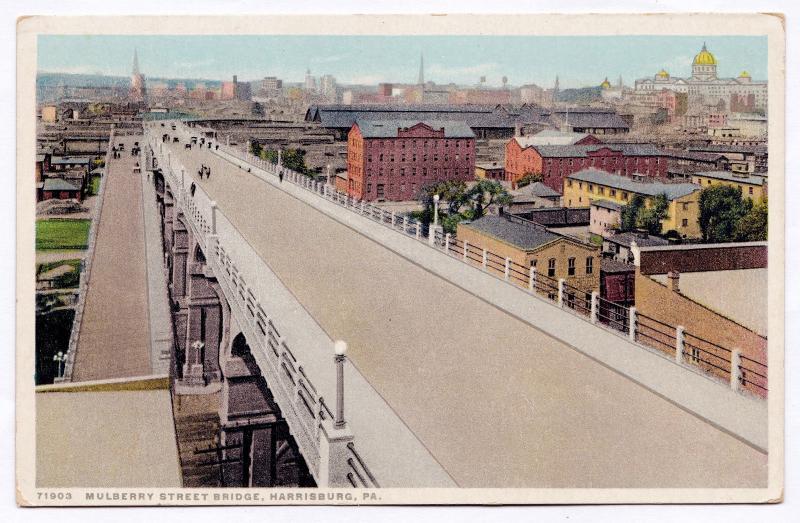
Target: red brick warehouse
(555,162)
(393,159)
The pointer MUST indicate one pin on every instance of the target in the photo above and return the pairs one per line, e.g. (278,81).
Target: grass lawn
(94,186)
(62,234)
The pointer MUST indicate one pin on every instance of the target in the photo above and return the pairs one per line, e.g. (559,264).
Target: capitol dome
(606,84)
(704,57)
(744,74)
(663,74)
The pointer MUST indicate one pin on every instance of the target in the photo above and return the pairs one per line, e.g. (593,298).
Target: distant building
(235,90)
(490,171)
(529,244)
(533,196)
(555,162)
(592,121)
(393,160)
(750,185)
(58,188)
(138,91)
(49,113)
(618,246)
(310,83)
(705,86)
(585,186)
(604,217)
(617,284)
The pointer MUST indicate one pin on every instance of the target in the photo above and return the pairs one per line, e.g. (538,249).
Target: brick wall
(711,258)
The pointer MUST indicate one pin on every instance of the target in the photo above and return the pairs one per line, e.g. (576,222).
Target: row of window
(435,143)
(414,158)
(571,270)
(434,171)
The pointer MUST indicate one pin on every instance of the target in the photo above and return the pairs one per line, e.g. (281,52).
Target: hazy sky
(579,61)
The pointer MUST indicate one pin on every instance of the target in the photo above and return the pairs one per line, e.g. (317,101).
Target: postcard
(406,259)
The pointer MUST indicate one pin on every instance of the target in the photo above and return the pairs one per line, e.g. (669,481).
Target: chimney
(674,278)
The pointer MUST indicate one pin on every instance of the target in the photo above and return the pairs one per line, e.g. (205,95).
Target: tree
(451,192)
(650,218)
(630,213)
(721,208)
(484,194)
(752,227)
(255,148)
(528,179)
(294,159)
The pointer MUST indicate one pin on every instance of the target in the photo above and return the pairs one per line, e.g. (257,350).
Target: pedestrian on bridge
(280,176)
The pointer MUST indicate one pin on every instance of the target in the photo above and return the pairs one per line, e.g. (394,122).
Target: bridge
(452,377)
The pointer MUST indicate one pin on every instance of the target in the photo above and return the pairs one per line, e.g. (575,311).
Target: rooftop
(606,204)
(641,239)
(672,190)
(389,128)
(592,119)
(548,137)
(729,176)
(612,266)
(519,235)
(74,160)
(581,151)
(58,184)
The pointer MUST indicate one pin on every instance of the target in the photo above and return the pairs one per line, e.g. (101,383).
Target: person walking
(280,176)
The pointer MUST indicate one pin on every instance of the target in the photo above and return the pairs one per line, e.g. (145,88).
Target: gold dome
(744,74)
(704,57)
(606,84)
(663,74)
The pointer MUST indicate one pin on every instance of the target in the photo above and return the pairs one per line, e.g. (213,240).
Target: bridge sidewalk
(114,338)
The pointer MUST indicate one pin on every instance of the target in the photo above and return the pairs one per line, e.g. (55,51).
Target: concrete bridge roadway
(496,401)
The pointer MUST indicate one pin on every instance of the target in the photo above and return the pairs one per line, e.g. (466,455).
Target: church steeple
(421,79)
(135,63)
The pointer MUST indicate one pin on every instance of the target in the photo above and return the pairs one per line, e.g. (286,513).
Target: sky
(579,61)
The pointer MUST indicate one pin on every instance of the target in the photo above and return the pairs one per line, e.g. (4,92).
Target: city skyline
(583,63)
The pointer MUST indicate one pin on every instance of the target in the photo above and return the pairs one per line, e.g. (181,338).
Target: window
(602,190)
(369,187)
(625,196)
(569,183)
(686,206)
(571,267)
(551,267)
(749,190)
(402,171)
(589,265)
(533,263)
(685,222)
(613,192)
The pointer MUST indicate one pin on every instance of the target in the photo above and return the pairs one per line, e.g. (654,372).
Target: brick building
(529,244)
(393,160)
(556,162)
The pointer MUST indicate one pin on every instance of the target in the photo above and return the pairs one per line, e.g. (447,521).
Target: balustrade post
(213,217)
(594,306)
(561,292)
(466,250)
(736,370)
(405,223)
(680,344)
(393,218)
(485,259)
(447,242)
(419,230)
(632,323)
(507,269)
(532,279)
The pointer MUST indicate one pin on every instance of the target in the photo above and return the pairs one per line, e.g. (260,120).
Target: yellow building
(49,113)
(531,245)
(751,186)
(582,187)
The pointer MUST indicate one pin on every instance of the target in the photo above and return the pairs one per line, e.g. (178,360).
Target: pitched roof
(750,179)
(672,190)
(541,190)
(389,128)
(581,151)
(74,160)
(606,204)
(517,234)
(591,119)
(612,266)
(58,184)
(548,137)
(625,239)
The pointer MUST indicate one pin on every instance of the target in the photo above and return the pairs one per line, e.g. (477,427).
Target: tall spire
(421,80)
(135,62)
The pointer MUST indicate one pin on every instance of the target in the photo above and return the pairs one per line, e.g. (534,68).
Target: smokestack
(674,278)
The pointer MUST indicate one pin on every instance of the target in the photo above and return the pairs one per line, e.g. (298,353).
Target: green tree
(484,194)
(528,179)
(650,218)
(294,159)
(255,148)
(452,196)
(630,213)
(721,209)
(752,227)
